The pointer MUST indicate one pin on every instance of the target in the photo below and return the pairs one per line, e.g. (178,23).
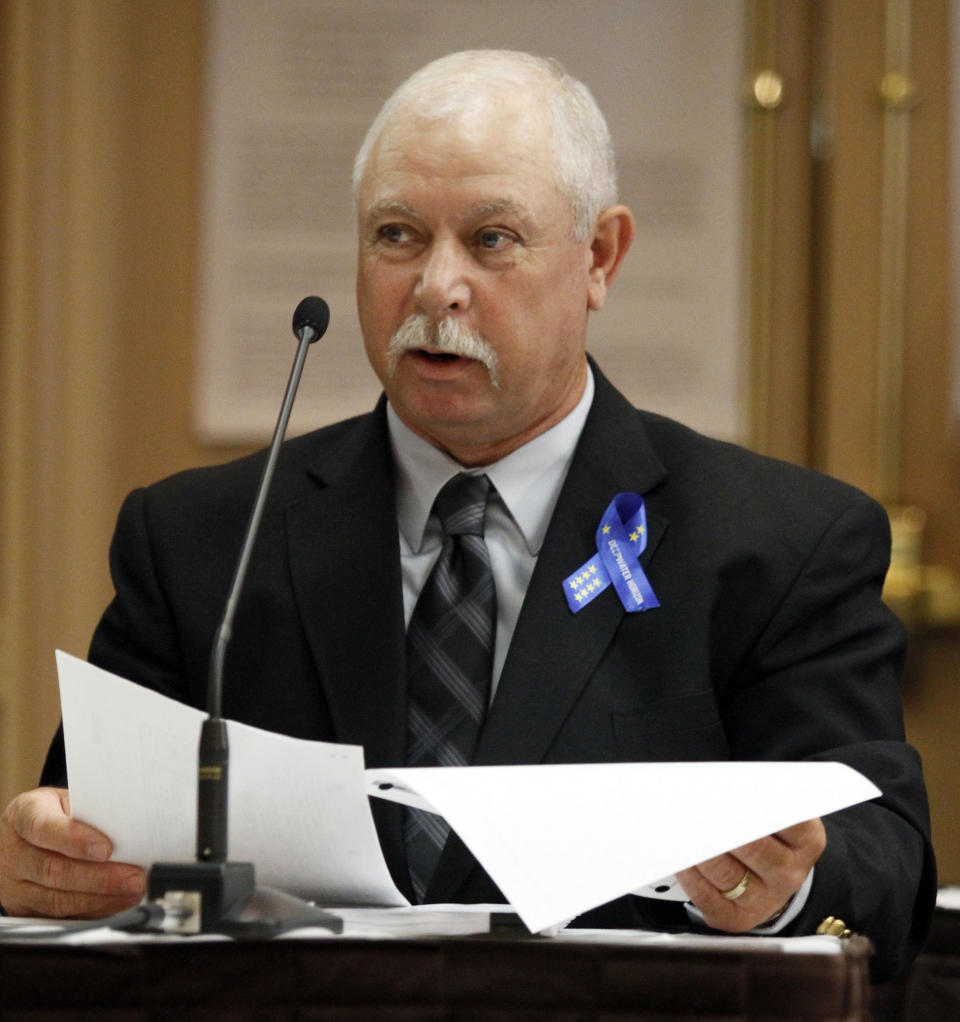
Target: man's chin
(439,410)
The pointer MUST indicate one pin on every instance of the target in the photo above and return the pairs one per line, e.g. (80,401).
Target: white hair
(474,81)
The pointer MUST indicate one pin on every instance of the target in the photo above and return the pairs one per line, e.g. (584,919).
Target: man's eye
(393,233)
(493,240)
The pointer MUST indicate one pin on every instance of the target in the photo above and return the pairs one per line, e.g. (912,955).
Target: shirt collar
(528,480)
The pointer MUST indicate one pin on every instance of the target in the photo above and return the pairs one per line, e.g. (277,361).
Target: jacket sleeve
(822,682)
(135,637)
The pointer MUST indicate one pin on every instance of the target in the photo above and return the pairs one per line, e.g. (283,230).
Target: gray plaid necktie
(449,657)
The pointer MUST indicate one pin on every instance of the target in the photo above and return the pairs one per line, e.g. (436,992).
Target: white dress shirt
(527,484)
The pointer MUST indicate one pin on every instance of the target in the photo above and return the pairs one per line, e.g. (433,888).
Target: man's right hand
(54,865)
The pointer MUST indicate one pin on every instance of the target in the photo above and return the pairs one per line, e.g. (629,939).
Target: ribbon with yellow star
(621,539)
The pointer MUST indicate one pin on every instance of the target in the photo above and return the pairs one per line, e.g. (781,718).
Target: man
(488,231)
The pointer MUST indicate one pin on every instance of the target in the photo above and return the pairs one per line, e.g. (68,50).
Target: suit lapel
(553,652)
(345,563)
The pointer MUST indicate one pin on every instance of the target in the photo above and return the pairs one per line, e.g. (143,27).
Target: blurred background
(173,178)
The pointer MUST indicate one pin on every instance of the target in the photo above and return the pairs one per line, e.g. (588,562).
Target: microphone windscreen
(314,313)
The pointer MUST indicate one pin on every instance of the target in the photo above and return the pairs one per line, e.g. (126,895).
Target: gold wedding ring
(735,892)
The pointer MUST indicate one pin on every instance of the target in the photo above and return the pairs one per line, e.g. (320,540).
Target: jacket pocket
(684,727)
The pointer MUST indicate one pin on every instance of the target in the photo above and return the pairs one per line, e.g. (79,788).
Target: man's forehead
(468,176)
(476,163)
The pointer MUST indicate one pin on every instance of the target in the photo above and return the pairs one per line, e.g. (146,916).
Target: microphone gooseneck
(310,321)
(216,887)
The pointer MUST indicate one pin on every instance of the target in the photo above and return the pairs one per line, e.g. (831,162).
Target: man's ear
(612,236)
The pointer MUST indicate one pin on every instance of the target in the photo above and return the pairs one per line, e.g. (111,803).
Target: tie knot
(462,504)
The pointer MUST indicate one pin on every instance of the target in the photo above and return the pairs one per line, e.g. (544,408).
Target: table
(502,978)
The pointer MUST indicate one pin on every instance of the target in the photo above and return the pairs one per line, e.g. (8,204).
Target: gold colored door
(850,310)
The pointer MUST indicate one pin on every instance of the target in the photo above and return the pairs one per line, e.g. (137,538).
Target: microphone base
(201,896)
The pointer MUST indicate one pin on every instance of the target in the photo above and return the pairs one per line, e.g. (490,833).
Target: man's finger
(750,884)
(41,819)
(40,882)
(723,872)
(785,858)
(58,872)
(33,900)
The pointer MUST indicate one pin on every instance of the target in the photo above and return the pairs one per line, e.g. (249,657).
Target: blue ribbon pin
(621,539)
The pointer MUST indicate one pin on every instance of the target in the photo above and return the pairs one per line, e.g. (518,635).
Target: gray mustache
(449,336)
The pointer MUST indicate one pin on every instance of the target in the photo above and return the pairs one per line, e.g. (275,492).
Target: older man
(488,231)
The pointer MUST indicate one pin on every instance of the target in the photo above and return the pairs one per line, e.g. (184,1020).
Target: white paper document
(561,839)
(298,810)
(557,839)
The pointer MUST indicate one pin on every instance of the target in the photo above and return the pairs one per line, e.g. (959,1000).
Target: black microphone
(311,314)
(212,891)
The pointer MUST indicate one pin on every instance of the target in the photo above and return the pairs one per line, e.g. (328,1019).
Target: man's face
(464,221)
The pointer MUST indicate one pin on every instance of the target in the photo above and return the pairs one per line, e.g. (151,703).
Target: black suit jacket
(770,641)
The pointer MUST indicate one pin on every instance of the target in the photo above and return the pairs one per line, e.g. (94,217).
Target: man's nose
(443,286)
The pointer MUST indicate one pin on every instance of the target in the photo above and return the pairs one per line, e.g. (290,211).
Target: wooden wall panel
(100,120)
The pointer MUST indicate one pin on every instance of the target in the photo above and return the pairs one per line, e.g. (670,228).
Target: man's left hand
(766,873)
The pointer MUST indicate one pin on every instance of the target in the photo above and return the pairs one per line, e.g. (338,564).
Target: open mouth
(437,356)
